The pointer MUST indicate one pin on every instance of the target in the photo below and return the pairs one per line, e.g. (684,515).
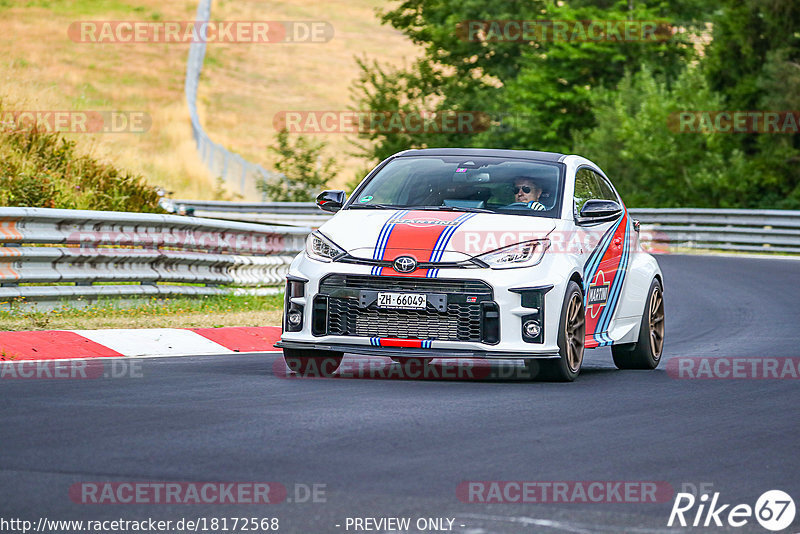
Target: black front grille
(463,320)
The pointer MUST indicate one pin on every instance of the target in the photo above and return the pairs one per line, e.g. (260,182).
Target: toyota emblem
(405,264)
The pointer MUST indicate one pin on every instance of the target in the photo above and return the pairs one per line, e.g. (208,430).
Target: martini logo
(597,295)
(427,222)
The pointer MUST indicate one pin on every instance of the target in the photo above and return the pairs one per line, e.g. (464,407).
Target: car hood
(439,236)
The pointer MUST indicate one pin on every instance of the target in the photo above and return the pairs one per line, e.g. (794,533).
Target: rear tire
(571,341)
(312,363)
(646,352)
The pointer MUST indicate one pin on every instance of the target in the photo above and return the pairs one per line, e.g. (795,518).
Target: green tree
(303,171)
(751,37)
(536,94)
(638,143)
(753,60)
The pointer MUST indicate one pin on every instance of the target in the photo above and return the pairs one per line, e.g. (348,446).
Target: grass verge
(178,312)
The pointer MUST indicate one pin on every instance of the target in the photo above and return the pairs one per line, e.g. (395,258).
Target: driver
(527,191)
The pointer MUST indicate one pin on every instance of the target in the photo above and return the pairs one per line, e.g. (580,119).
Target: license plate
(404,301)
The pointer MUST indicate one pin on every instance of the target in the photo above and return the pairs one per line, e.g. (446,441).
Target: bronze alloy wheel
(571,341)
(656,323)
(645,352)
(575,331)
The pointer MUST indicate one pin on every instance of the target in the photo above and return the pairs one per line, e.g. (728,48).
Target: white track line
(156,341)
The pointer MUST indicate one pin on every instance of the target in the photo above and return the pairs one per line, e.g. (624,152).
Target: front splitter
(408,352)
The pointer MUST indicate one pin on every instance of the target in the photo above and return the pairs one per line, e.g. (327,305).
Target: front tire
(646,352)
(312,363)
(571,340)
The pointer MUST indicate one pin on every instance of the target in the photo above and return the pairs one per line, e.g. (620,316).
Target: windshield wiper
(450,208)
(374,206)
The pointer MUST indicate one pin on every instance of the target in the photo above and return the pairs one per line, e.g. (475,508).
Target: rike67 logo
(774,510)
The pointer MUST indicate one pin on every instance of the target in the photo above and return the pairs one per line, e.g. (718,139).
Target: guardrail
(695,228)
(74,253)
(283,213)
(774,231)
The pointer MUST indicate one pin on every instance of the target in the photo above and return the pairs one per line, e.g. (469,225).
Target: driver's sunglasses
(525,189)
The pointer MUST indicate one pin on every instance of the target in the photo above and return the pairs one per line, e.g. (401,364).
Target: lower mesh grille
(461,321)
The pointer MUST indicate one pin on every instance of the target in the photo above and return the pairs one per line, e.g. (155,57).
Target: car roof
(485,152)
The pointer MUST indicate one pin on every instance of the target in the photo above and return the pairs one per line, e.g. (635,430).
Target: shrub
(43,170)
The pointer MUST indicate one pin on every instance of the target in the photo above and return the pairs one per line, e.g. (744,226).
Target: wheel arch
(643,269)
(577,278)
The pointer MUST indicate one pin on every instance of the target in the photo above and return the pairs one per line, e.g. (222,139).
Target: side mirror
(331,201)
(596,210)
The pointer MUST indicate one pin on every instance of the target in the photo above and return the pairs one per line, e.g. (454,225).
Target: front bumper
(510,292)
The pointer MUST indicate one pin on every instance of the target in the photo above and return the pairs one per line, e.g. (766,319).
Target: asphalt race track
(400,448)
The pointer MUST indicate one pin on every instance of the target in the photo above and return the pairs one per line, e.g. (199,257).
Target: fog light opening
(294,317)
(532,328)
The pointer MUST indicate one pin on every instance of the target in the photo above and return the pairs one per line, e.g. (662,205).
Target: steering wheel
(516,205)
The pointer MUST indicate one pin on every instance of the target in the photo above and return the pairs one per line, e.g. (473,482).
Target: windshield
(491,184)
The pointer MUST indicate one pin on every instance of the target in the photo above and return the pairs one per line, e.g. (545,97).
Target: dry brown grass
(296,77)
(243,85)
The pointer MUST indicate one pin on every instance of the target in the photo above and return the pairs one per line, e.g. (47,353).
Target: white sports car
(476,253)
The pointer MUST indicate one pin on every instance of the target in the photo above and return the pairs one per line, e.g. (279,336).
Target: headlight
(319,247)
(526,254)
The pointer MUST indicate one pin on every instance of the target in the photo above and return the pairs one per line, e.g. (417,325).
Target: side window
(605,191)
(585,188)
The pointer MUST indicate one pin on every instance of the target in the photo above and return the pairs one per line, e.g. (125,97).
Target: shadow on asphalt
(438,370)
